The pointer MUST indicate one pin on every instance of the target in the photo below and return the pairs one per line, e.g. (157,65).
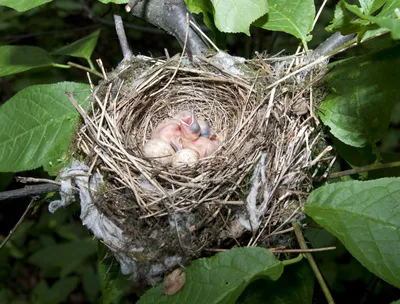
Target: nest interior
(269,140)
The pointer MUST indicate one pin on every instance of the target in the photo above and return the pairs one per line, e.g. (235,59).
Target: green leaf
(392,24)
(57,293)
(23,5)
(355,157)
(66,257)
(295,286)
(90,283)
(235,16)
(82,48)
(289,16)
(363,92)
(113,282)
(365,217)
(36,126)
(114,1)
(221,278)
(370,6)
(345,23)
(16,59)
(388,11)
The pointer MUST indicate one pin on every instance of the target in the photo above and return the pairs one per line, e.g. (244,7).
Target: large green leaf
(365,217)
(295,286)
(363,92)
(66,257)
(36,126)
(235,16)
(113,282)
(81,48)
(290,16)
(221,278)
(16,59)
(23,5)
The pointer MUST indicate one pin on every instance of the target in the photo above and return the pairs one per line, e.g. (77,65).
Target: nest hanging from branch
(256,181)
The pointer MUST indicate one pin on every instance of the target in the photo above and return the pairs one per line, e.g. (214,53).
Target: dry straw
(246,192)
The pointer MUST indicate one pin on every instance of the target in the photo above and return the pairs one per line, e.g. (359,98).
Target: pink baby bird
(183,126)
(203,146)
(169,131)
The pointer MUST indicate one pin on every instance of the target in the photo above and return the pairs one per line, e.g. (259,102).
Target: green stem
(377,152)
(91,64)
(61,66)
(312,263)
(78,66)
(293,261)
(364,169)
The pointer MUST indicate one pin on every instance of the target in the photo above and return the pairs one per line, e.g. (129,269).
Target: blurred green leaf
(363,92)
(59,292)
(82,48)
(113,282)
(16,59)
(295,286)
(90,283)
(221,278)
(6,179)
(387,172)
(36,126)
(355,157)
(66,257)
(23,5)
(365,217)
(289,16)
(236,16)
(114,1)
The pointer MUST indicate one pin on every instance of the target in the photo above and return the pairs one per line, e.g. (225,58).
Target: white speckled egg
(159,151)
(185,157)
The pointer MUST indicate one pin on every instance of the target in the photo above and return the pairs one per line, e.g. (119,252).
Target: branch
(312,263)
(364,169)
(333,43)
(32,190)
(31,204)
(119,27)
(170,15)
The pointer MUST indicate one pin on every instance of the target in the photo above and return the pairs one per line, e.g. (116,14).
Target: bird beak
(190,122)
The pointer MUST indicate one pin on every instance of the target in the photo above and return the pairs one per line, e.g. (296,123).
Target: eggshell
(185,157)
(159,151)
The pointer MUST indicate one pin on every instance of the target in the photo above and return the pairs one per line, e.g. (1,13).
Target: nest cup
(259,177)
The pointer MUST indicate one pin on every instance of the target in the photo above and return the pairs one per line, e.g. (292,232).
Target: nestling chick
(168,131)
(190,129)
(203,146)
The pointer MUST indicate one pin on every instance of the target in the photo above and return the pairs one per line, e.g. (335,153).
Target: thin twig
(318,14)
(78,66)
(26,180)
(312,263)
(123,41)
(130,5)
(276,250)
(364,169)
(31,204)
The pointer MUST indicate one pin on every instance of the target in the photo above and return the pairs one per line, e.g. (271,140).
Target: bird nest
(242,194)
